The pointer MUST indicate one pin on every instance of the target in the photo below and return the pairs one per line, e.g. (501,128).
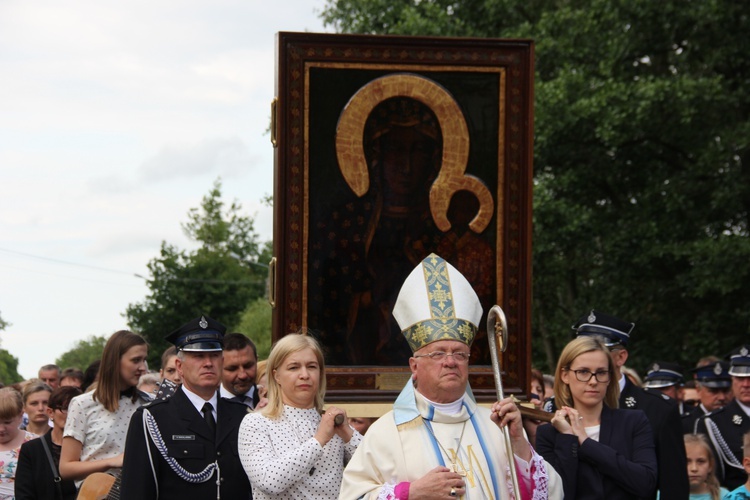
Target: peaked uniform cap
(714,375)
(663,374)
(611,329)
(739,359)
(202,334)
(437,302)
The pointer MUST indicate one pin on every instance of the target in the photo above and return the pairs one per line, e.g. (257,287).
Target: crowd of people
(215,422)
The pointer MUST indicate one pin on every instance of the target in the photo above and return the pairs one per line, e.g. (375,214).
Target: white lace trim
(539,479)
(387,492)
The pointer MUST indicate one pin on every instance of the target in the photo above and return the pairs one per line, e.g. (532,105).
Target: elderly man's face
(714,398)
(441,381)
(50,377)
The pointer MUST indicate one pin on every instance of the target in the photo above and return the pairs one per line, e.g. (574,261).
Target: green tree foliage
(8,363)
(9,368)
(220,278)
(255,322)
(83,353)
(642,191)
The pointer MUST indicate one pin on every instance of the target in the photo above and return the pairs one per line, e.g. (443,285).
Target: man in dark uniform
(726,426)
(714,388)
(186,445)
(661,411)
(665,377)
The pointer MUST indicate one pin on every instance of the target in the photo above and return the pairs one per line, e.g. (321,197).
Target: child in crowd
(743,492)
(701,466)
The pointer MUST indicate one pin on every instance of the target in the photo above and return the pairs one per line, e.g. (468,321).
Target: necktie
(208,416)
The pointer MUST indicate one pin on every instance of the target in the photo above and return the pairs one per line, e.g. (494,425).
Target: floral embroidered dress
(8,464)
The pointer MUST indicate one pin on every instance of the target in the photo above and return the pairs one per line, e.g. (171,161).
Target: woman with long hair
(35,397)
(94,437)
(11,439)
(701,469)
(292,448)
(35,478)
(598,450)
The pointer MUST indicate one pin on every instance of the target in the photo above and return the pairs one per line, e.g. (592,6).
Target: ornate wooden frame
(317,78)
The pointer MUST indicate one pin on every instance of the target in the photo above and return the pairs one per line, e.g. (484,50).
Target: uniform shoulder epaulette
(713,413)
(658,394)
(155,402)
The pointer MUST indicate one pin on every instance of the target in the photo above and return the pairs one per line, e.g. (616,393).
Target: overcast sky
(116,117)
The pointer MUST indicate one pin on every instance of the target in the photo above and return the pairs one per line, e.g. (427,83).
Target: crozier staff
(288,449)
(437,442)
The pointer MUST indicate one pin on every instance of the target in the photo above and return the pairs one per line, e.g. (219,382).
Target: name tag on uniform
(183,437)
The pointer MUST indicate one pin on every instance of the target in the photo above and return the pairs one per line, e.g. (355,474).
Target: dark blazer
(731,423)
(621,465)
(664,416)
(34,477)
(189,441)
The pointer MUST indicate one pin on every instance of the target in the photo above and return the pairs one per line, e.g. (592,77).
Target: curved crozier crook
(451,178)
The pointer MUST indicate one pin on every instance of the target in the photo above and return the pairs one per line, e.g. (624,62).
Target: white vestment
(399,447)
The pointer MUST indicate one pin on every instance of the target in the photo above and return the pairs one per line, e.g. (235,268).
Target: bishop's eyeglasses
(459,356)
(585,375)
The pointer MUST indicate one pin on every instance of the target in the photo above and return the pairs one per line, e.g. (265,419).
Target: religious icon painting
(388,149)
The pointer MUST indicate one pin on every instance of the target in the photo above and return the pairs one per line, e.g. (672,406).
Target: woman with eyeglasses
(35,478)
(598,450)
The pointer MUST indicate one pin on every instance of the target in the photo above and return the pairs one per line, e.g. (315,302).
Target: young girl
(11,439)
(700,468)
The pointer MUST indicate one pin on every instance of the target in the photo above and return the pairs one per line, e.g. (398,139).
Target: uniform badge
(717,369)
(743,351)
(591,317)
(736,420)
(630,401)
(656,367)
(203,323)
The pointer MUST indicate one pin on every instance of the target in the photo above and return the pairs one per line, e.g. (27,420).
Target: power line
(136,275)
(65,262)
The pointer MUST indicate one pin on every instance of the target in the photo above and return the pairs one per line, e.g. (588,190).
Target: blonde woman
(35,398)
(600,451)
(292,448)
